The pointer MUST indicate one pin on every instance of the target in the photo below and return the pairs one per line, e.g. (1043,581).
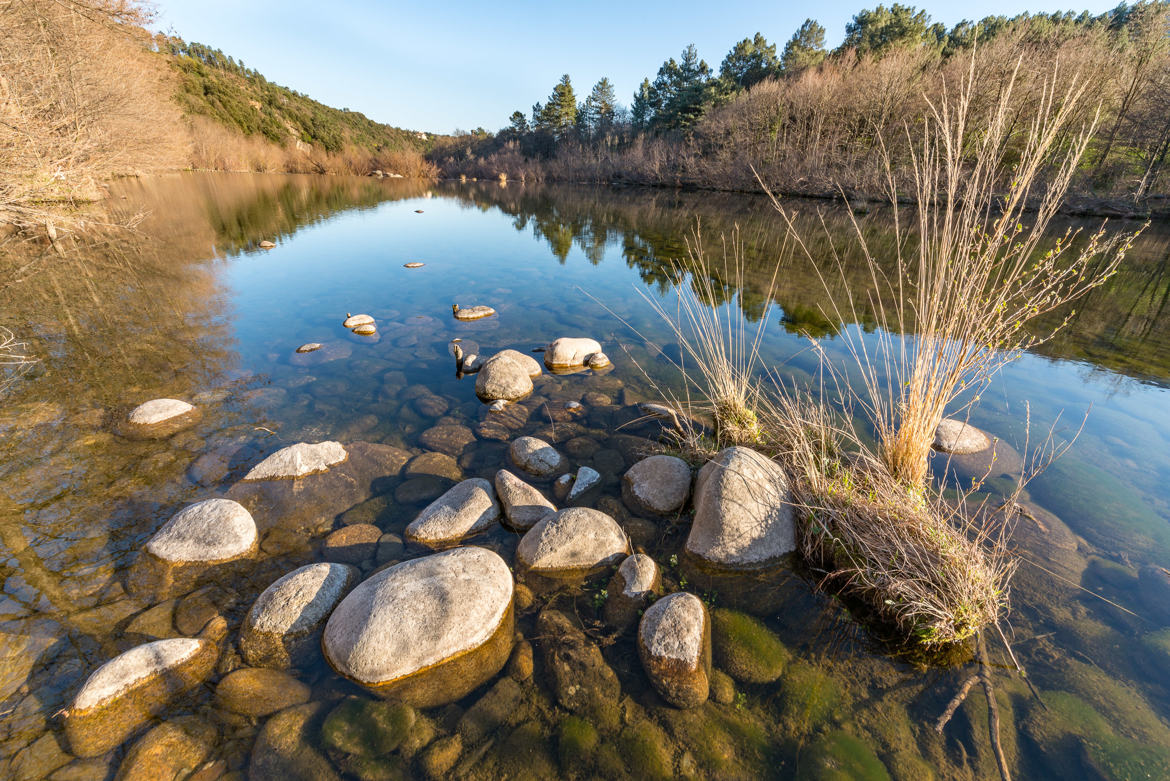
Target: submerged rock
(571,544)
(366,329)
(257,691)
(580,677)
(536,457)
(746,649)
(471,312)
(447,438)
(674,643)
(523,504)
(298,460)
(465,510)
(160,418)
(570,352)
(309,347)
(174,749)
(353,321)
(743,518)
(352,544)
(125,692)
(957,436)
(426,631)
(199,539)
(283,626)
(632,587)
(330,351)
(367,728)
(284,748)
(658,485)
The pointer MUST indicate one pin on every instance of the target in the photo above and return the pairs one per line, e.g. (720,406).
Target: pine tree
(681,90)
(518,122)
(749,62)
(642,109)
(560,112)
(805,49)
(873,32)
(598,111)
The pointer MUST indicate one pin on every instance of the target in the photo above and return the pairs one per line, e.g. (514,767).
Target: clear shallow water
(188,307)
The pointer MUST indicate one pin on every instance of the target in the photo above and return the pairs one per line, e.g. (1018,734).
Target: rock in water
(570,353)
(284,748)
(174,749)
(266,244)
(743,518)
(464,511)
(536,457)
(472,312)
(258,692)
(571,544)
(674,643)
(125,692)
(506,376)
(309,347)
(523,504)
(366,329)
(427,631)
(631,588)
(298,460)
(283,627)
(598,361)
(413,264)
(956,436)
(160,418)
(658,485)
(353,321)
(587,479)
(197,540)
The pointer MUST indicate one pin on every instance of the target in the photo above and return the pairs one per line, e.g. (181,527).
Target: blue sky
(438,66)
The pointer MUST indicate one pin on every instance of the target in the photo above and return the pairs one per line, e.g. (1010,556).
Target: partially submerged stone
(127,691)
(570,352)
(523,504)
(283,627)
(327,352)
(298,460)
(472,312)
(598,361)
(366,329)
(427,631)
(586,480)
(177,748)
(258,691)
(631,588)
(266,244)
(674,643)
(309,347)
(467,509)
(658,485)
(743,516)
(506,376)
(536,457)
(571,544)
(160,418)
(197,541)
(413,264)
(353,321)
(957,436)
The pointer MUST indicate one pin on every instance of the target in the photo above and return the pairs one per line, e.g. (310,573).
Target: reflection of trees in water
(1120,326)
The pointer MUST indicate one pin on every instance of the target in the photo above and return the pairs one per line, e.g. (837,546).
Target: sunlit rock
(571,544)
(467,509)
(160,418)
(298,460)
(957,436)
(570,352)
(674,643)
(634,584)
(471,312)
(353,321)
(658,485)
(523,504)
(536,457)
(283,626)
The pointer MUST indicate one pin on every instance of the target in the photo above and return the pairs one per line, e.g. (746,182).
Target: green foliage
(805,49)
(597,113)
(216,86)
(682,91)
(750,61)
(881,29)
(559,114)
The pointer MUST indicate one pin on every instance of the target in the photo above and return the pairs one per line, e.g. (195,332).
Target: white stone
(309,347)
(121,673)
(640,574)
(413,264)
(213,530)
(499,405)
(523,504)
(598,361)
(298,460)
(466,509)
(672,628)
(743,518)
(536,456)
(572,540)
(473,312)
(419,613)
(353,321)
(300,600)
(366,329)
(158,410)
(266,244)
(504,377)
(587,479)
(658,485)
(956,436)
(568,352)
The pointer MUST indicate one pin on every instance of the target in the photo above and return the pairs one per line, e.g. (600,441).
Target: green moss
(745,648)
(839,756)
(576,742)
(389,768)
(367,728)
(808,698)
(1157,647)
(643,748)
(525,754)
(1111,574)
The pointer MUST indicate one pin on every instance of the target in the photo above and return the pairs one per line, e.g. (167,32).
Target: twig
(992,711)
(955,702)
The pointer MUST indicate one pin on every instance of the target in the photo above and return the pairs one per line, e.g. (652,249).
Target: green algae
(745,648)
(838,756)
(808,698)
(367,728)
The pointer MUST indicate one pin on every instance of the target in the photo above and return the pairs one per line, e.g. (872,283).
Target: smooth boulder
(674,643)
(506,376)
(467,509)
(571,544)
(570,352)
(743,516)
(536,457)
(959,437)
(298,460)
(658,485)
(160,418)
(427,631)
(523,504)
(283,626)
(631,588)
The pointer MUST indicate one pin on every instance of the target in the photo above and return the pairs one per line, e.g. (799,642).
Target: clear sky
(439,66)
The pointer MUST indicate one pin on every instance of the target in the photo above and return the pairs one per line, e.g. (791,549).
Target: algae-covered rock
(745,648)
(576,742)
(722,743)
(643,746)
(441,756)
(580,677)
(496,707)
(526,754)
(367,728)
(284,748)
(808,698)
(838,756)
(722,687)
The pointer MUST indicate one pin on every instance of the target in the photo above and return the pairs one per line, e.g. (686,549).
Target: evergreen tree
(884,28)
(598,111)
(805,49)
(750,61)
(681,90)
(519,122)
(560,112)
(642,109)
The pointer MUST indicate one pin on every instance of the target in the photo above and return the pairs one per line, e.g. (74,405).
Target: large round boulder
(537,457)
(464,511)
(957,436)
(743,516)
(571,544)
(658,485)
(197,542)
(427,631)
(283,626)
(674,643)
(570,352)
(127,691)
(298,460)
(506,376)
(523,504)
(160,418)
